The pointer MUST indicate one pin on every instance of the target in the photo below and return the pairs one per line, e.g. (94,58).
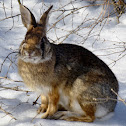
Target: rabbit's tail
(103,113)
(106,117)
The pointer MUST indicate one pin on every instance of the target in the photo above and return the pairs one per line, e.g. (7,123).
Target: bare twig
(10,17)
(35,102)
(14,88)
(7,113)
(4,9)
(10,79)
(34,117)
(6,59)
(120,99)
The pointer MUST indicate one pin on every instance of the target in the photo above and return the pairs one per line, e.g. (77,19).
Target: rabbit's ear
(44,19)
(28,18)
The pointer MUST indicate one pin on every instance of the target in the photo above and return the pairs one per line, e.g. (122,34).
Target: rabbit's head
(35,47)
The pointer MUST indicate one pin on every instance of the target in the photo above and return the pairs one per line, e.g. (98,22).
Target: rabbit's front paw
(42,108)
(53,99)
(72,116)
(50,111)
(44,104)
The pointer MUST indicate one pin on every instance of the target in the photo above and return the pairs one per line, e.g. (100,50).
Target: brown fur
(68,77)
(53,99)
(89,109)
(38,75)
(44,104)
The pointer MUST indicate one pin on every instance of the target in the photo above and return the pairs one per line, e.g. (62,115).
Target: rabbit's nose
(30,54)
(26,53)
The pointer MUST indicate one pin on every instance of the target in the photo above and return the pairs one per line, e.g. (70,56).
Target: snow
(106,46)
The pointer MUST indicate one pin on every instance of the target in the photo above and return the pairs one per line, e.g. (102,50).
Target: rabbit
(75,85)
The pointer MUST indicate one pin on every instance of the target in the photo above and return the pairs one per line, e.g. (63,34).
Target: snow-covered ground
(108,42)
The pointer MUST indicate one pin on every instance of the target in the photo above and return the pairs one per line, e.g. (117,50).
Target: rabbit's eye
(42,46)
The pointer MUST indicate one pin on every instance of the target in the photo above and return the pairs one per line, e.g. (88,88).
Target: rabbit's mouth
(34,59)
(31,59)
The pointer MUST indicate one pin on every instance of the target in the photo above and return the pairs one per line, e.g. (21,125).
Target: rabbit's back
(81,61)
(89,78)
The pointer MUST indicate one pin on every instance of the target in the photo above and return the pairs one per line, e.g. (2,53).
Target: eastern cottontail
(67,76)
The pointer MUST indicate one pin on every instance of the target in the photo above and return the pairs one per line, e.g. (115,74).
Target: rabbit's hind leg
(88,116)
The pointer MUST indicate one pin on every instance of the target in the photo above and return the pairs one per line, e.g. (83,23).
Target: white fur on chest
(35,59)
(64,99)
(43,90)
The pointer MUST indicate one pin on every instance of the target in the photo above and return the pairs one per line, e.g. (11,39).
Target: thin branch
(14,88)
(120,99)
(4,9)
(10,17)
(7,113)
(5,60)
(35,102)
(6,78)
